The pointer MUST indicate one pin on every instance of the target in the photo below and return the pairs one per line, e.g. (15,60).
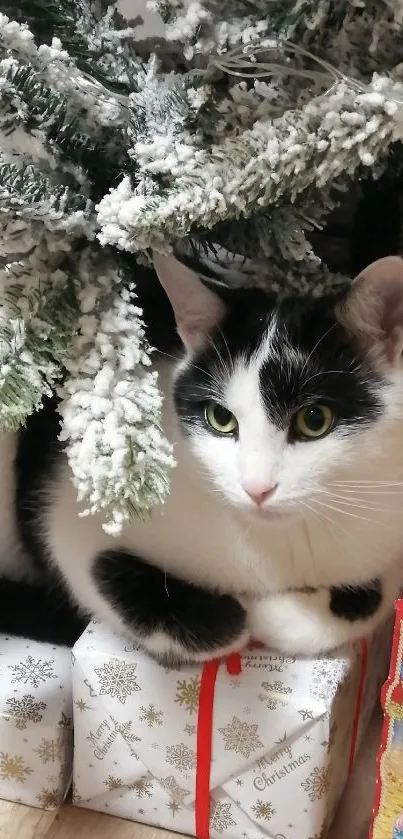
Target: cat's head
(280,401)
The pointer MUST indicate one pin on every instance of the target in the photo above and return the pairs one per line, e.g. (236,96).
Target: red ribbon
(205,731)
(358,704)
(205,739)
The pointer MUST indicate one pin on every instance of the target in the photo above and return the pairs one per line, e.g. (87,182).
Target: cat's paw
(215,631)
(294,622)
(176,622)
(317,621)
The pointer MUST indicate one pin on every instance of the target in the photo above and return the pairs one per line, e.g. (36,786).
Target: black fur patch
(38,454)
(310,359)
(357,603)
(148,601)
(39,612)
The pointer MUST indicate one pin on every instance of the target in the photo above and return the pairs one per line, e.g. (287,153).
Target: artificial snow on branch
(279,158)
(37,317)
(234,156)
(111,404)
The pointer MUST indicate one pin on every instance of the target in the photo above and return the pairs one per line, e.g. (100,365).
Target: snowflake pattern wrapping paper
(282,732)
(36,733)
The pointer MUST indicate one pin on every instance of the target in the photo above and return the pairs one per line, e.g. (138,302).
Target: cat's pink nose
(259,494)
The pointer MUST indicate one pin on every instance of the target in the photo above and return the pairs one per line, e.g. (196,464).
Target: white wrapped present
(36,733)
(284,732)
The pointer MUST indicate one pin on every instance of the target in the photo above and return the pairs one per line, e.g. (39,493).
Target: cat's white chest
(191,535)
(196,536)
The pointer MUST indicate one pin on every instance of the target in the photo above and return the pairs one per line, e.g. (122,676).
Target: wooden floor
(19,822)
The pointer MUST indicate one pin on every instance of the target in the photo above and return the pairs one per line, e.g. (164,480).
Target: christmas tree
(230,142)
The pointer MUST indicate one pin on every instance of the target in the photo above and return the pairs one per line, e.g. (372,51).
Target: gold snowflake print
(117,679)
(142,787)
(25,710)
(306,714)
(181,757)
(221,816)
(50,751)
(240,737)
(151,715)
(190,730)
(125,729)
(263,810)
(112,782)
(13,768)
(33,671)
(49,799)
(327,677)
(187,693)
(81,705)
(275,693)
(176,792)
(317,784)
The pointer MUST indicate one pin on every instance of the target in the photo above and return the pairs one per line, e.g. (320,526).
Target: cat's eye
(220,419)
(312,422)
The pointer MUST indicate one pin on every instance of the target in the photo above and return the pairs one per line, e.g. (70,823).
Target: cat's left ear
(373,310)
(197,309)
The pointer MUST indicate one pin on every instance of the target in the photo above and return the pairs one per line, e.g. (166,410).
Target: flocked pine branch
(234,162)
(94,34)
(331,136)
(37,318)
(30,194)
(111,405)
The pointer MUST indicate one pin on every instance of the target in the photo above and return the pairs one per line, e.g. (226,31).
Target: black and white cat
(285,517)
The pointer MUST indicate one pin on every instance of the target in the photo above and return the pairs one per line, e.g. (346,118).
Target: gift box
(36,734)
(260,745)
(388,807)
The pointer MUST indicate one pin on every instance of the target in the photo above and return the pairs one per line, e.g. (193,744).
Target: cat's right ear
(373,310)
(197,309)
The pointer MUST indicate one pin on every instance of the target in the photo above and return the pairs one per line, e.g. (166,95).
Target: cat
(284,521)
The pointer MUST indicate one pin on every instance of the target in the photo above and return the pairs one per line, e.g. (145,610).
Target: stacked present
(220,751)
(36,735)
(388,810)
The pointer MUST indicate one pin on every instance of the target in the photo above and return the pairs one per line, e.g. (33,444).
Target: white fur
(166,648)
(210,532)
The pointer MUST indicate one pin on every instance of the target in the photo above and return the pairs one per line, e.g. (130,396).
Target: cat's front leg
(175,621)
(314,621)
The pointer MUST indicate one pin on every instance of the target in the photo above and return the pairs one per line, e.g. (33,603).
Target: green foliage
(282,108)
(85,30)
(37,323)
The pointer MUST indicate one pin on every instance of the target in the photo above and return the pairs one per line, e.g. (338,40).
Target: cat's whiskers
(318,343)
(322,518)
(353,501)
(335,532)
(322,521)
(207,373)
(225,368)
(367,483)
(365,493)
(231,360)
(328,373)
(351,515)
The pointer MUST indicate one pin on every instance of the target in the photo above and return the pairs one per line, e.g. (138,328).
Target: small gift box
(222,750)
(36,734)
(388,808)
